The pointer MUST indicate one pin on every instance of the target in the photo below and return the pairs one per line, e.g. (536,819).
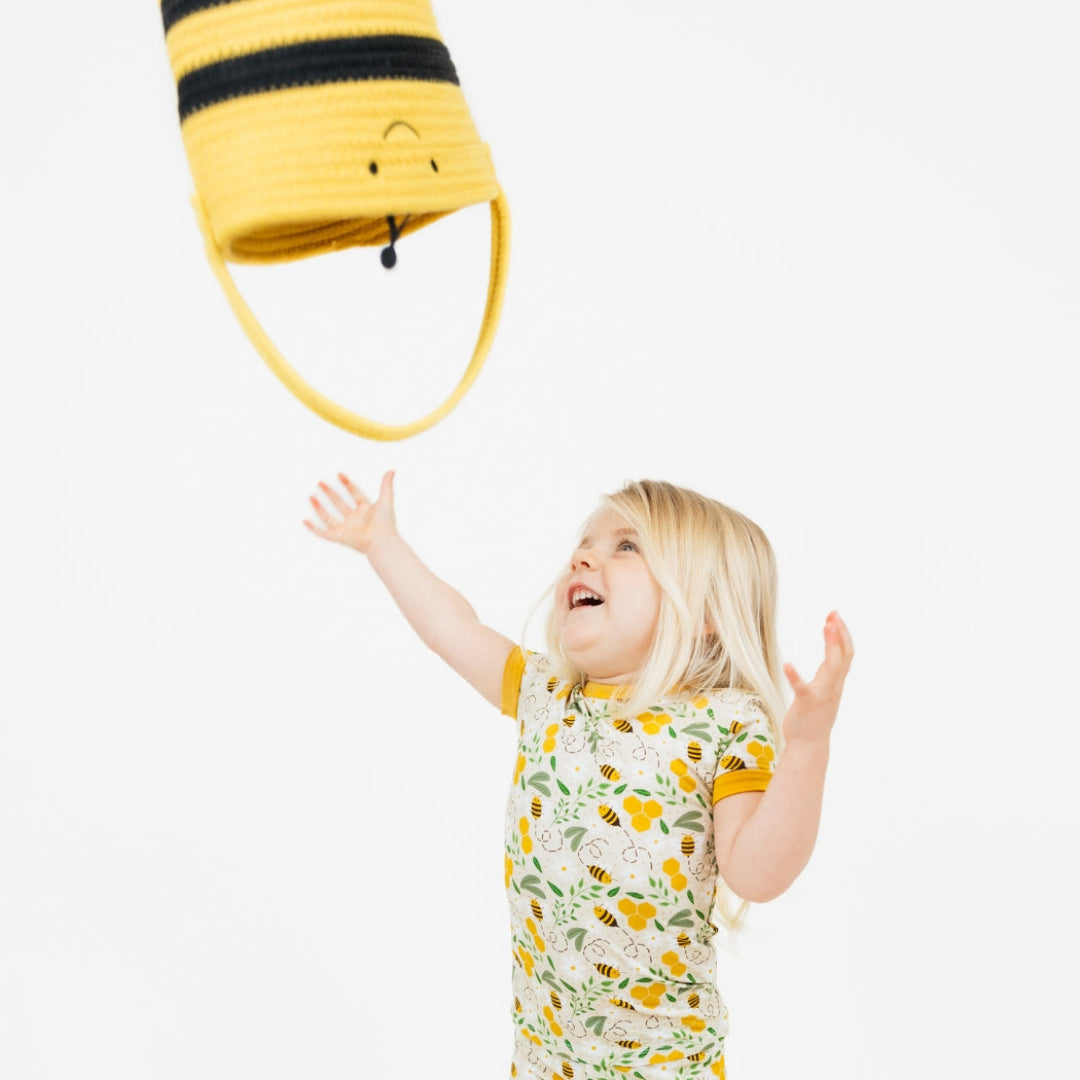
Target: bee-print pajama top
(611,872)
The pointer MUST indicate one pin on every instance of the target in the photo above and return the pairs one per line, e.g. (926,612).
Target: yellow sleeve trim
(734,783)
(511,686)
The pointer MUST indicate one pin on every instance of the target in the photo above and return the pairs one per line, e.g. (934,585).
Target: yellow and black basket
(315,125)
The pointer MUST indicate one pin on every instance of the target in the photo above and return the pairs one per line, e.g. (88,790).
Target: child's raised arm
(441,616)
(763,840)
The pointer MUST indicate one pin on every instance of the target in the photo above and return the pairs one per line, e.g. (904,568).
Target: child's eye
(628,545)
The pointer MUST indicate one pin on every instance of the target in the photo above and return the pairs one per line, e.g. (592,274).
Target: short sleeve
(511,685)
(749,758)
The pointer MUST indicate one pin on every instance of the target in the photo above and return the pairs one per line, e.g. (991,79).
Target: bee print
(684,940)
(608,971)
(536,806)
(610,773)
(622,725)
(537,910)
(732,763)
(608,814)
(569,719)
(623,1004)
(699,1056)
(552,683)
(736,727)
(693,751)
(567,1071)
(693,1001)
(687,845)
(600,874)
(556,1001)
(630,1044)
(605,916)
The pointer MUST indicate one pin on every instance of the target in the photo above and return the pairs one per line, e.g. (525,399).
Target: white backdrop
(819,261)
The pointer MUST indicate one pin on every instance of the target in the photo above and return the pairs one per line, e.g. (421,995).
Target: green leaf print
(682,918)
(689,896)
(743,736)
(539,780)
(577,936)
(569,808)
(536,863)
(645,793)
(690,820)
(553,765)
(555,889)
(575,835)
(663,827)
(619,790)
(661,894)
(532,883)
(613,892)
(666,791)
(562,787)
(699,731)
(596,1024)
(671,732)
(624,984)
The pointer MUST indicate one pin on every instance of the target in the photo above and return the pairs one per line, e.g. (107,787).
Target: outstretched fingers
(323,516)
(386,489)
(352,489)
(352,518)
(829,677)
(794,679)
(342,507)
(839,648)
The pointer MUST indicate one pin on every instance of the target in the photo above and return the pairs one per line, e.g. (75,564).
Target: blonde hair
(717,622)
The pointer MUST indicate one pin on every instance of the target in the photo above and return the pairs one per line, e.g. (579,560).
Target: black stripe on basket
(172,11)
(313,63)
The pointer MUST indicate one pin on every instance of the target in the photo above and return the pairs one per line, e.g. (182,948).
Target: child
(647,765)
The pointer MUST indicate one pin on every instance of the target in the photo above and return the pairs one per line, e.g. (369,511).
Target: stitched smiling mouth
(582,597)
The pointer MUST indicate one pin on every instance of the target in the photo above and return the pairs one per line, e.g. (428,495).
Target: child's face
(608,640)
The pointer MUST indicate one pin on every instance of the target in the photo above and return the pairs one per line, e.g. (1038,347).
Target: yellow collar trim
(606,690)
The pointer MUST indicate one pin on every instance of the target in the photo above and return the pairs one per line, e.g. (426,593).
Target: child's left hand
(811,715)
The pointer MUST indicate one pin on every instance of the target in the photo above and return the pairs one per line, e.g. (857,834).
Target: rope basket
(316,125)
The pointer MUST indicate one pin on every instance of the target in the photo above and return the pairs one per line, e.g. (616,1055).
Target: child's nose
(583,557)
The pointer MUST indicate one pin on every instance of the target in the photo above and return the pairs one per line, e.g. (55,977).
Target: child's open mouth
(581,597)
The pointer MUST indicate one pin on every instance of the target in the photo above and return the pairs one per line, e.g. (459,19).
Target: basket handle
(319,403)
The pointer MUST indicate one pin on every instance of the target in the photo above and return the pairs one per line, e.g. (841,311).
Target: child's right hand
(360,525)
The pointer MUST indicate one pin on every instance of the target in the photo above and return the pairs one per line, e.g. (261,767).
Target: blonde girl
(648,772)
